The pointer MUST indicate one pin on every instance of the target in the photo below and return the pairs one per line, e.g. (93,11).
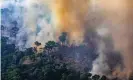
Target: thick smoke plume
(119,15)
(81,21)
(108,24)
(70,16)
(26,21)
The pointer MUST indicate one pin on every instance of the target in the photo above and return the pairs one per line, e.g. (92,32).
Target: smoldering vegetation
(76,58)
(98,35)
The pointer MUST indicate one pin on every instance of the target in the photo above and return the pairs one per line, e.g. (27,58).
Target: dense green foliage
(27,65)
(50,45)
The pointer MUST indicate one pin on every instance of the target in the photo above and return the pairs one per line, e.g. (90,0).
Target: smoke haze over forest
(99,29)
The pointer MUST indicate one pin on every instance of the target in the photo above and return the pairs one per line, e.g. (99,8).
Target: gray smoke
(26,21)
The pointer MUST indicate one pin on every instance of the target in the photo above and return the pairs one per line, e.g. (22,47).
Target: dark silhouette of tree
(50,45)
(14,29)
(103,78)
(2,27)
(84,77)
(95,77)
(37,43)
(63,37)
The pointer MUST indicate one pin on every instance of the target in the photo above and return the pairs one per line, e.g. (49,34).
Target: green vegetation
(27,65)
(50,45)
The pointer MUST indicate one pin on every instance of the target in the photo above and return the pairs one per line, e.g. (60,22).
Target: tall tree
(63,37)
(50,45)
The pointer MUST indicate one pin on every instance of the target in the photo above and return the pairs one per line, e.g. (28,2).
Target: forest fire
(71,18)
(88,36)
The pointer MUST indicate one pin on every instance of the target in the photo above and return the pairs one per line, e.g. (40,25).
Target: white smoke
(33,21)
(46,32)
(100,65)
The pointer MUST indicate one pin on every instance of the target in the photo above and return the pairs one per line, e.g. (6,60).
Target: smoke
(115,16)
(84,23)
(37,21)
(118,16)
(100,65)
(32,22)
(121,30)
(70,16)
(105,23)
